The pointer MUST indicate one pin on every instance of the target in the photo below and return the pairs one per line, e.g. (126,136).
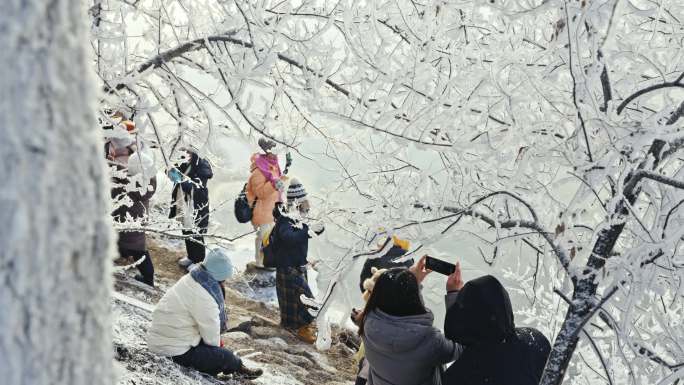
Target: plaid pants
(291,282)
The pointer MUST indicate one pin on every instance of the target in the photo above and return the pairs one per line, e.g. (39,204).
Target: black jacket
(199,175)
(291,241)
(384,262)
(496,352)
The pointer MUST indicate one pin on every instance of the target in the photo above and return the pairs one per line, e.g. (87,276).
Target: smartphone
(439,266)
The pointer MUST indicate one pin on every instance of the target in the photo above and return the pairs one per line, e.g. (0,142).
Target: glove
(175,175)
(280,185)
(288,160)
(318,228)
(186,186)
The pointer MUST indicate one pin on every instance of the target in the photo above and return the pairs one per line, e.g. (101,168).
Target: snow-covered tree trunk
(55,237)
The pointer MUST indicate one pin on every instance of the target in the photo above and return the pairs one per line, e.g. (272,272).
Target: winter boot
(140,278)
(247,373)
(307,333)
(184,262)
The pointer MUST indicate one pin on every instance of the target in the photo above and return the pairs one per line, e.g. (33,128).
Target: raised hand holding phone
(439,266)
(419,270)
(455,280)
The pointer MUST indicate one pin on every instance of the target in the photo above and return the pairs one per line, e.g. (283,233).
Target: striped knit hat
(296,191)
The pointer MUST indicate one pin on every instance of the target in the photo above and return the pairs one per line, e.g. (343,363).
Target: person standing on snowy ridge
(131,195)
(291,236)
(190,202)
(401,344)
(188,321)
(480,317)
(390,259)
(264,188)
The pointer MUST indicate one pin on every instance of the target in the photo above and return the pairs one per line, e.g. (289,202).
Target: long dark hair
(396,293)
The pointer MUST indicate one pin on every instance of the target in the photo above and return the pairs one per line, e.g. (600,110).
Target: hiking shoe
(139,278)
(307,333)
(184,262)
(247,373)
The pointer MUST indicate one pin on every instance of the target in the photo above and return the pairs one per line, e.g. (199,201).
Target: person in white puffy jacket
(188,321)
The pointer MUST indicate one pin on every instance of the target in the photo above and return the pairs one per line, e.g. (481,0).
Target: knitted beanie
(129,125)
(218,265)
(296,191)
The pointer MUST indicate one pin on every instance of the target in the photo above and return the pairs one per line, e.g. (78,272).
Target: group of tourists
(400,345)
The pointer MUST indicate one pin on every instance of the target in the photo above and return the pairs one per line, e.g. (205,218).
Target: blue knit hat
(218,265)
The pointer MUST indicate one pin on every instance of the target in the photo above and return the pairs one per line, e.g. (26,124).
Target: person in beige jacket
(188,321)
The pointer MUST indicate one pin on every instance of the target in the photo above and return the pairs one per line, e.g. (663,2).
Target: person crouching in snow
(188,321)
(291,248)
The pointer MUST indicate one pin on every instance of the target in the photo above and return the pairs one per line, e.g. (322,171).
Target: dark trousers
(209,359)
(145,267)
(194,245)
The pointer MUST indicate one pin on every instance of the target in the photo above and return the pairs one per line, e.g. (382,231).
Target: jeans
(209,359)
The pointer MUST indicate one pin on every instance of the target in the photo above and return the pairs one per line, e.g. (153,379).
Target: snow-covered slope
(260,342)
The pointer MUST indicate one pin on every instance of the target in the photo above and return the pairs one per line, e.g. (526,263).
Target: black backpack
(243,211)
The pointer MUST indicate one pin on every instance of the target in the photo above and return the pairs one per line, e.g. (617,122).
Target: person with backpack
(287,248)
(188,321)
(190,203)
(401,344)
(480,317)
(264,188)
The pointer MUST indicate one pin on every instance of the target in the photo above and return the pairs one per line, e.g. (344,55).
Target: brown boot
(307,333)
(247,373)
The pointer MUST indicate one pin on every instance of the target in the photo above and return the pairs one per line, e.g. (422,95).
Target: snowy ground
(261,342)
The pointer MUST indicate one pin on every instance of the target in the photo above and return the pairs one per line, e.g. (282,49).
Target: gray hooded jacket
(405,350)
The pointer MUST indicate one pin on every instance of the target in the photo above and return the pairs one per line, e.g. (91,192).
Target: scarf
(268,165)
(202,276)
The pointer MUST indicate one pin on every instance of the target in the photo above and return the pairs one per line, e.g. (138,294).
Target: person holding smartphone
(401,344)
(480,318)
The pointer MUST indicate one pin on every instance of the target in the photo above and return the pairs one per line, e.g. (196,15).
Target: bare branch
(676,83)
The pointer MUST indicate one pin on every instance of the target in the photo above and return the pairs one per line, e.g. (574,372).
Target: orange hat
(129,125)
(403,243)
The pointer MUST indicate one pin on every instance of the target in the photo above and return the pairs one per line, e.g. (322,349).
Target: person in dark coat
(480,317)
(292,237)
(132,201)
(399,248)
(190,184)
